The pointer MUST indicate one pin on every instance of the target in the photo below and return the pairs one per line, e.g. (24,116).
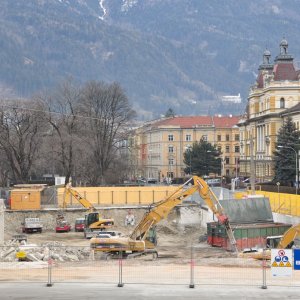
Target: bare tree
(21,126)
(108,115)
(5,174)
(62,108)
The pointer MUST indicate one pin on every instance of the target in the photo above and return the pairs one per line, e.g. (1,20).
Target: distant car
(79,224)
(63,227)
(152,181)
(213,181)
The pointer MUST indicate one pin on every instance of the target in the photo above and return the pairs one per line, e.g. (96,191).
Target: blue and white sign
(296,259)
(281,262)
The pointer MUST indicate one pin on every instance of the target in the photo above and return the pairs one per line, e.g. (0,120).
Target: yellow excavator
(285,241)
(143,240)
(93,222)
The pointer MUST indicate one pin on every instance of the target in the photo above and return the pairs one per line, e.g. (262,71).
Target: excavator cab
(272,242)
(91,218)
(94,223)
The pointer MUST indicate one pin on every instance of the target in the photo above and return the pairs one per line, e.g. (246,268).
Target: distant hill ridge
(165,53)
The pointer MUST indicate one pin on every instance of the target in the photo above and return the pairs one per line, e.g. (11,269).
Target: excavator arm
(289,236)
(161,210)
(84,202)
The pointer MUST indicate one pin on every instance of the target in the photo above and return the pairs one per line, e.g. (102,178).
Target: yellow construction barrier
(287,204)
(107,196)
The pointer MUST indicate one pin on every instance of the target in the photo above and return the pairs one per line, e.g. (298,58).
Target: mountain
(165,53)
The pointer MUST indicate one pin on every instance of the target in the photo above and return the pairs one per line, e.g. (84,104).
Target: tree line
(74,131)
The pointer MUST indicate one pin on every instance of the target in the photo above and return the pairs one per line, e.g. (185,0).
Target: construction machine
(143,239)
(285,241)
(93,222)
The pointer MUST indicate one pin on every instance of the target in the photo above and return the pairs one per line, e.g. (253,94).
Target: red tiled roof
(260,80)
(285,71)
(192,121)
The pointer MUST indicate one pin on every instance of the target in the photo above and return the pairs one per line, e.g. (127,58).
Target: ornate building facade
(275,95)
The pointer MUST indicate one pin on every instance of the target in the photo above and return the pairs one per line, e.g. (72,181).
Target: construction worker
(130,219)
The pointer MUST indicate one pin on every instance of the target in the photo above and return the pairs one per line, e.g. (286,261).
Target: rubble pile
(32,252)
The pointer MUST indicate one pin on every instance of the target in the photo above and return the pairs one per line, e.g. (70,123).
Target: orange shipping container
(24,199)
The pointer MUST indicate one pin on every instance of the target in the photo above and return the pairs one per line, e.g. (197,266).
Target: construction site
(181,234)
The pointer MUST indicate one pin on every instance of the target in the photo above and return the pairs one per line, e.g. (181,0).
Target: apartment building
(274,96)
(161,144)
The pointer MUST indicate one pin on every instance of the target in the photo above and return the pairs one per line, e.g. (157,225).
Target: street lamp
(278,185)
(296,155)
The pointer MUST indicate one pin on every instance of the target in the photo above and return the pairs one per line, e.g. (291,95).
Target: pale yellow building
(161,144)
(275,95)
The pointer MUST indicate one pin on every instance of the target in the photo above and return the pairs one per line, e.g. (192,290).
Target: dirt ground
(174,245)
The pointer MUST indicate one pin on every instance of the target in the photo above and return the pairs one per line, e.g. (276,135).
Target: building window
(171,137)
(188,138)
(282,104)
(204,138)
(219,149)
(227,160)
(227,137)
(227,149)
(219,137)
(171,149)
(171,161)
(170,174)
(237,149)
(237,137)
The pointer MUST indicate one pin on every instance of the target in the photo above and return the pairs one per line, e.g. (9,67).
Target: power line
(51,112)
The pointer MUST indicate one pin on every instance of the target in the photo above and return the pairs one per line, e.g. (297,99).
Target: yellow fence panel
(106,196)
(287,204)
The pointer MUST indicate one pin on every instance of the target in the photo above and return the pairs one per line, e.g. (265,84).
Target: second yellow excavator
(142,240)
(274,242)
(93,222)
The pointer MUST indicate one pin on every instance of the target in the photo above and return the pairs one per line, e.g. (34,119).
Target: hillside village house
(160,144)
(274,96)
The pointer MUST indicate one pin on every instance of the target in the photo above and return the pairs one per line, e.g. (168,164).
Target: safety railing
(194,267)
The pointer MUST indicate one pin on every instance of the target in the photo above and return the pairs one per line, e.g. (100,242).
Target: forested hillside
(164,53)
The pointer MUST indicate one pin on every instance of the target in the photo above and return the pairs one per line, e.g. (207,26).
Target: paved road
(86,291)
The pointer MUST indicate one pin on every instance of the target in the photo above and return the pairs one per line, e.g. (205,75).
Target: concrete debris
(34,253)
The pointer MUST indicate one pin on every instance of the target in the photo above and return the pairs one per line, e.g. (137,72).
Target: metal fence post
(192,284)
(50,261)
(120,284)
(264,269)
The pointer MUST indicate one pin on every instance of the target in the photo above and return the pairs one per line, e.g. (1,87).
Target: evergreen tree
(285,154)
(170,113)
(202,158)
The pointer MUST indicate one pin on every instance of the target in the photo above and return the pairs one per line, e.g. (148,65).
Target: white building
(232,99)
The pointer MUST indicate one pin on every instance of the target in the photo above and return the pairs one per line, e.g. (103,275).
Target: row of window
(188,137)
(265,105)
(226,161)
(227,149)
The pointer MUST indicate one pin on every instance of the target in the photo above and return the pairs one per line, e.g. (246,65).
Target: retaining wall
(181,215)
